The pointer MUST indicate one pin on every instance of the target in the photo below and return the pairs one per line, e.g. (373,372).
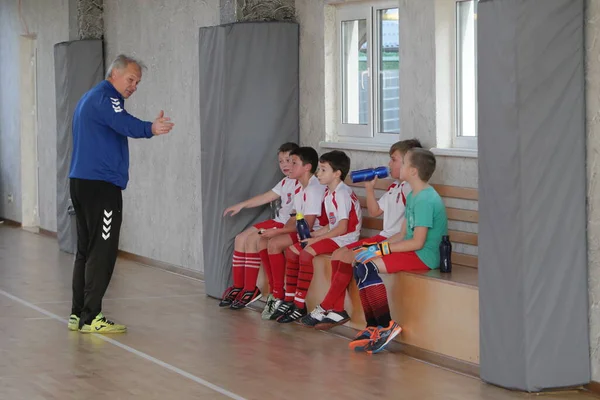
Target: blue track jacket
(101,127)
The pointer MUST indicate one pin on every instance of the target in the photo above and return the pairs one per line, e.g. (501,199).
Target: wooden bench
(439,312)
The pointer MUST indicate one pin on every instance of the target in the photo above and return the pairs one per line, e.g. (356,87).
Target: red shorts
(373,239)
(325,246)
(269,224)
(404,261)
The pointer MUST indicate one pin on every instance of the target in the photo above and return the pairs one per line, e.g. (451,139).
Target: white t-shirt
(343,204)
(309,200)
(393,204)
(286,190)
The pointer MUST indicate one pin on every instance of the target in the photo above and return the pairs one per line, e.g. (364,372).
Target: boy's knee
(306,257)
(337,254)
(262,243)
(253,238)
(343,254)
(249,245)
(240,238)
(290,253)
(275,246)
(272,246)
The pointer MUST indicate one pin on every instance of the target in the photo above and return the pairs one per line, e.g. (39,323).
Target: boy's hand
(269,233)
(233,210)
(309,241)
(370,185)
(371,251)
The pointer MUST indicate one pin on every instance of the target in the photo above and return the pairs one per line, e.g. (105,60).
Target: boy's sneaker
(333,318)
(281,308)
(385,336)
(73,323)
(314,317)
(246,298)
(229,296)
(102,325)
(269,307)
(363,338)
(294,314)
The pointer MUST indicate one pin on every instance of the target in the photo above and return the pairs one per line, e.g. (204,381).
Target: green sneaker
(102,325)
(269,307)
(73,323)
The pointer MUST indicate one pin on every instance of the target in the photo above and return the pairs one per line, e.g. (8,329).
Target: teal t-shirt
(427,209)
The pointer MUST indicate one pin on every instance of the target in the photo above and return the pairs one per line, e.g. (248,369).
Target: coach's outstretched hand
(161,124)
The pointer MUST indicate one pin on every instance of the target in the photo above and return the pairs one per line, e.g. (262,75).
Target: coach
(99,173)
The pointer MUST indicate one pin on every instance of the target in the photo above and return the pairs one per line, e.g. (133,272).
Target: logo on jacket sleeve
(332,218)
(116,105)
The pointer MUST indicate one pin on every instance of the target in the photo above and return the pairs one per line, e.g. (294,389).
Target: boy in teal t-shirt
(416,247)
(426,209)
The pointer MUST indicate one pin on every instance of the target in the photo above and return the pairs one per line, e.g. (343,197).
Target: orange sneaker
(363,338)
(385,336)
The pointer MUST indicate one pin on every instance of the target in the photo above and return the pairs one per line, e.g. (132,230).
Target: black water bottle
(302,228)
(445,255)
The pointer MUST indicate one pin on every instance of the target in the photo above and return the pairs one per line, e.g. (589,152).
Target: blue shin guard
(366,275)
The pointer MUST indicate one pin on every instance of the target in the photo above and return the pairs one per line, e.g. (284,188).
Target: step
(439,313)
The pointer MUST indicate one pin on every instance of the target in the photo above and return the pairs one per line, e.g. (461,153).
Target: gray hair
(121,62)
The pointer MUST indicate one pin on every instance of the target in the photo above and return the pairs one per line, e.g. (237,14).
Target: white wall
(162,205)
(10,169)
(417,95)
(49,21)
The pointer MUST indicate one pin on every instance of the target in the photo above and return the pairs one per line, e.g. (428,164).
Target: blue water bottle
(302,228)
(445,255)
(363,175)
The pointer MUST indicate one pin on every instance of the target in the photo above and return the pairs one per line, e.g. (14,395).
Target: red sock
(264,259)
(378,300)
(334,300)
(291,274)
(305,276)
(327,303)
(368,311)
(277,262)
(335,265)
(239,259)
(251,270)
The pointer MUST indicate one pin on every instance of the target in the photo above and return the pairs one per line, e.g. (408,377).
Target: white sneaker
(316,316)
(333,318)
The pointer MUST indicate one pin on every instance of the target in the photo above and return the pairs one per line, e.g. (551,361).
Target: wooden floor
(180,345)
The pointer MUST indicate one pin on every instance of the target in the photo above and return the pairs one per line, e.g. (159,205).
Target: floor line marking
(126,298)
(131,350)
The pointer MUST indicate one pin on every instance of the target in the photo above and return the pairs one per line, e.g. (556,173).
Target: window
(369,102)
(466,74)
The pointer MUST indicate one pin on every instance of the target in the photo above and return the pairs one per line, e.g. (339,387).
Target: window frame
(369,132)
(459,141)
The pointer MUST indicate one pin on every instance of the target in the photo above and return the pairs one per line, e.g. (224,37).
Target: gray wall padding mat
(78,65)
(248,108)
(532,194)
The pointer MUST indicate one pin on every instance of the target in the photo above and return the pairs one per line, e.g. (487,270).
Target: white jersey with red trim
(286,190)
(393,204)
(309,200)
(343,204)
